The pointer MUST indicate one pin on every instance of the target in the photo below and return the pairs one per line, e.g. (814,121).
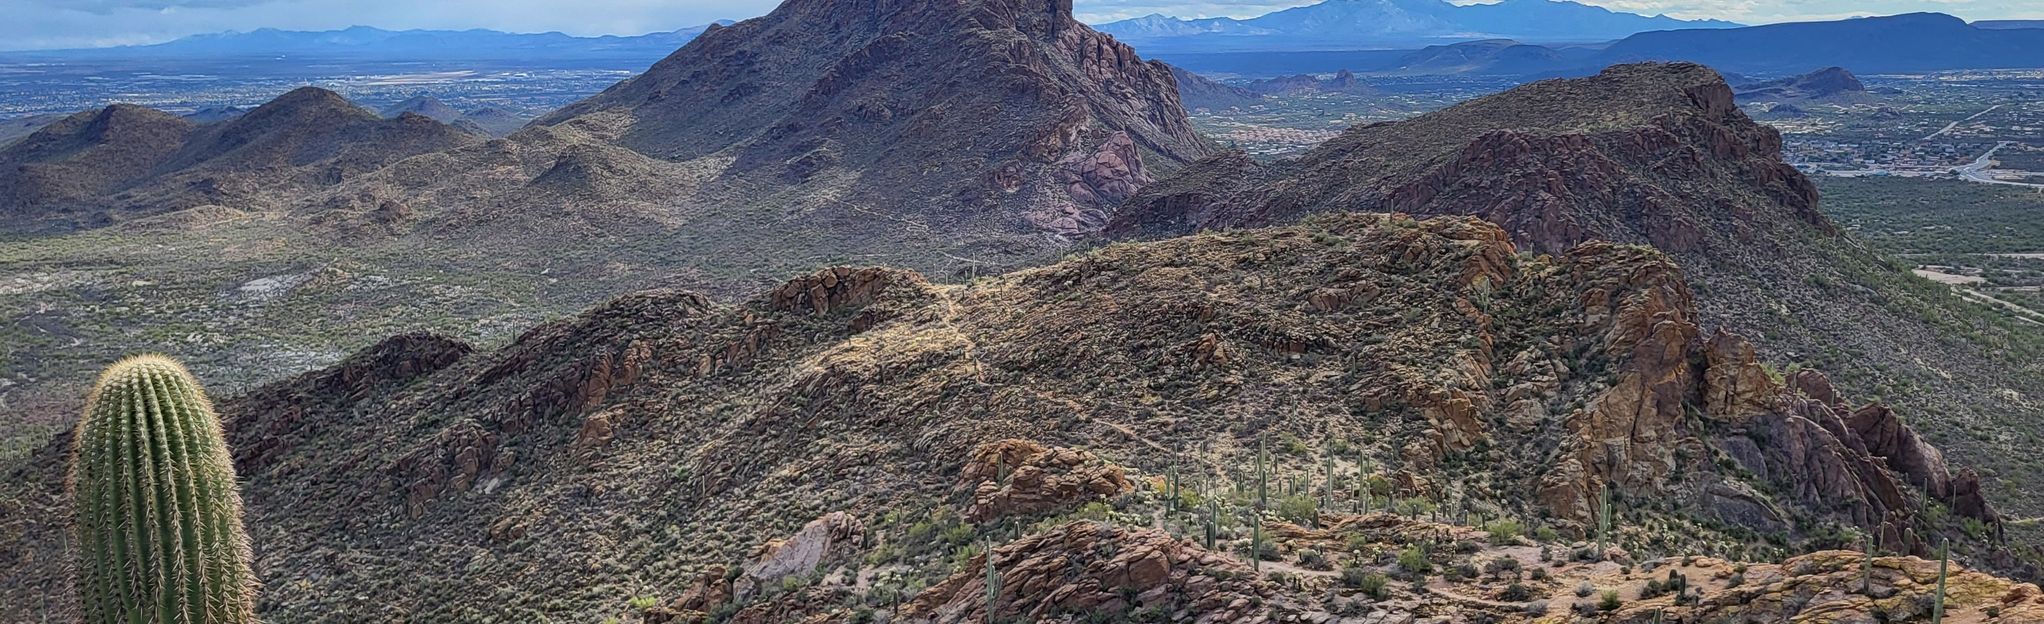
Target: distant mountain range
(1909,42)
(1349,24)
(1899,43)
(368,43)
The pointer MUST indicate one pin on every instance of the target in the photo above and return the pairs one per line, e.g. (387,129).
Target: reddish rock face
(1021,477)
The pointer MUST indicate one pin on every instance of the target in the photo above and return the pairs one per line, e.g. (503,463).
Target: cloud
(33,24)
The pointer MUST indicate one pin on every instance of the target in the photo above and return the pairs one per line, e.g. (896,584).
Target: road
(1977,171)
(1948,127)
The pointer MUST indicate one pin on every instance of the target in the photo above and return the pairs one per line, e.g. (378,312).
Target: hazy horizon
(59,24)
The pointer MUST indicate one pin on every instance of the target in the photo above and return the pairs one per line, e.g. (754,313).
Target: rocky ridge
(1456,371)
(1656,154)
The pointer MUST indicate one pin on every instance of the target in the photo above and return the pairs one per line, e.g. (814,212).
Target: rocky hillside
(122,162)
(618,462)
(978,105)
(1198,92)
(1659,154)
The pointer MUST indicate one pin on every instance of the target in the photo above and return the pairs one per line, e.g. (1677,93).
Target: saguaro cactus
(1603,520)
(159,517)
(993,586)
(1937,612)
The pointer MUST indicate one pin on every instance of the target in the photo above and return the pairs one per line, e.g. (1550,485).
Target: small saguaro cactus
(1603,519)
(1937,611)
(993,586)
(1262,478)
(159,516)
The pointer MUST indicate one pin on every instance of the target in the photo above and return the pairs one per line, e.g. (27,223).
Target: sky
(44,24)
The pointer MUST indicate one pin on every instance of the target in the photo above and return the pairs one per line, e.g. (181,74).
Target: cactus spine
(1937,612)
(159,516)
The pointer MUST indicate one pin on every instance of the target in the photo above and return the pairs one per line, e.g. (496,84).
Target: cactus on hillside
(159,516)
(1603,520)
(1262,478)
(993,586)
(1937,611)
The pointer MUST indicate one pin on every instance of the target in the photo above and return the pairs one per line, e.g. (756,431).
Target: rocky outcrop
(278,419)
(1021,477)
(1643,319)
(1087,568)
(829,538)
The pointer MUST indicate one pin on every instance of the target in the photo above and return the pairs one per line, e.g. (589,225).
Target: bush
(1375,585)
(1503,531)
(1299,509)
(1516,593)
(1312,560)
(1610,601)
(1414,560)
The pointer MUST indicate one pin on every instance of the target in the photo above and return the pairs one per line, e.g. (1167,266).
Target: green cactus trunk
(1262,479)
(1937,611)
(993,587)
(1603,520)
(159,516)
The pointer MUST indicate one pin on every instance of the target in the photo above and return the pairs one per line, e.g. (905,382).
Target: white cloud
(77,23)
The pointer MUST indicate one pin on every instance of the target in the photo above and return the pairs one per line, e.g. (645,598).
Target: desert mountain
(18,127)
(1348,24)
(1897,43)
(631,450)
(123,161)
(424,105)
(488,120)
(1657,155)
(945,136)
(1197,92)
(1483,158)
(1342,82)
(1487,57)
(1831,85)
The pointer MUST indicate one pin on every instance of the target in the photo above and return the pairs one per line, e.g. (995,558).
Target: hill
(1897,43)
(493,121)
(1197,92)
(1351,24)
(630,450)
(1488,57)
(1659,155)
(99,167)
(1831,85)
(1343,82)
